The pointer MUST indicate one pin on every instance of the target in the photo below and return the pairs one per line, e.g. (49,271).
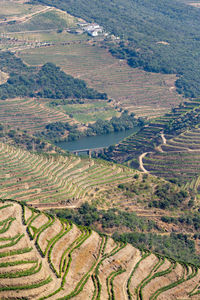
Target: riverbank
(97,141)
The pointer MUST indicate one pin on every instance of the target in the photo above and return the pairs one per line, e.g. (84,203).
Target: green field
(89,112)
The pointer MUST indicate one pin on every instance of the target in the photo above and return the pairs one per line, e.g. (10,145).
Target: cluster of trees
(22,139)
(58,102)
(192,220)
(145,26)
(59,131)
(177,246)
(183,122)
(130,189)
(9,63)
(168,197)
(48,82)
(124,122)
(89,215)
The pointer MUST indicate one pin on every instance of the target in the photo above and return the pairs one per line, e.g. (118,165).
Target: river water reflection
(97,141)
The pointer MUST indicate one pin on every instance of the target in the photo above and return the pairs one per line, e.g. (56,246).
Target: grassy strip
(16,252)
(186,270)
(95,286)
(4,206)
(95,278)
(65,265)
(16,263)
(79,287)
(168,287)
(138,289)
(96,273)
(118,247)
(13,242)
(42,229)
(146,254)
(109,281)
(6,224)
(158,274)
(26,287)
(3,239)
(32,236)
(56,239)
(80,241)
(146,280)
(37,231)
(33,270)
(194,272)
(53,239)
(193,293)
(24,221)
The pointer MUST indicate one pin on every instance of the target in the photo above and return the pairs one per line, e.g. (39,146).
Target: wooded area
(160,36)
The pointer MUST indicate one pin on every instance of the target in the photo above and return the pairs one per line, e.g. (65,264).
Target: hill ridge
(76,262)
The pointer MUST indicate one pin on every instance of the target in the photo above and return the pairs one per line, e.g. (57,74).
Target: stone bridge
(89,152)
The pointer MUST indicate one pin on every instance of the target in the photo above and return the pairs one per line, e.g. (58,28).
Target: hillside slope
(55,180)
(162,35)
(42,257)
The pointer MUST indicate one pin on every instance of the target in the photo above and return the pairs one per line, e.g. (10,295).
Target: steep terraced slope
(178,157)
(29,114)
(42,257)
(54,179)
(168,147)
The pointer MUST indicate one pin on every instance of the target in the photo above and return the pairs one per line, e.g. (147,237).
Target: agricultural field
(25,26)
(55,180)
(167,147)
(89,111)
(16,8)
(48,36)
(178,158)
(146,94)
(18,17)
(29,114)
(43,257)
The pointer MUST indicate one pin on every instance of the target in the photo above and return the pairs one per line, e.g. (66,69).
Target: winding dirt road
(141,162)
(163,139)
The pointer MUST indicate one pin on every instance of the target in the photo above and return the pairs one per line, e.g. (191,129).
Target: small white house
(95,32)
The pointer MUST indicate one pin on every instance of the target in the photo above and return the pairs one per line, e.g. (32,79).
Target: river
(97,141)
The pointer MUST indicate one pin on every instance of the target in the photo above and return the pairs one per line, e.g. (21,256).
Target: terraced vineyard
(179,158)
(29,114)
(42,257)
(53,179)
(154,149)
(145,94)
